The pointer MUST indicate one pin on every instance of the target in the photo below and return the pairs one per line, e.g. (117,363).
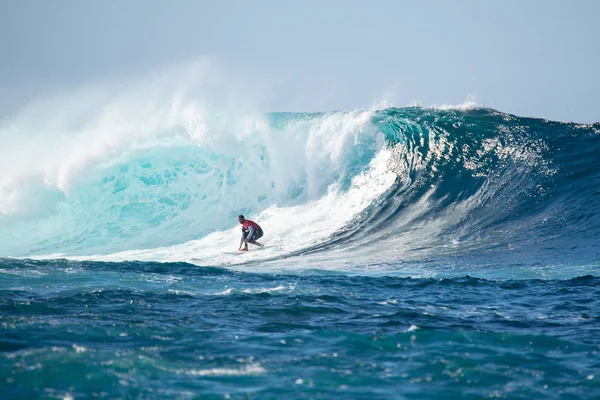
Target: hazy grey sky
(533,58)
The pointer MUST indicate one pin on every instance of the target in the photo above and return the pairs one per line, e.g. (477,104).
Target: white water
(159,171)
(288,229)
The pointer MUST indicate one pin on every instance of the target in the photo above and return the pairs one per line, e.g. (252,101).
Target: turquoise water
(411,253)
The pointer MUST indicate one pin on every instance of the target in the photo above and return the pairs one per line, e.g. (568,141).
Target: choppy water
(411,253)
(175,330)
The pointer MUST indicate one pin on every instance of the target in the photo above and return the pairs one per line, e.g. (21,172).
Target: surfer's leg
(257,235)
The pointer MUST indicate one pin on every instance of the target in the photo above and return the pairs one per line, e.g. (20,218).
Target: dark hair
(241,216)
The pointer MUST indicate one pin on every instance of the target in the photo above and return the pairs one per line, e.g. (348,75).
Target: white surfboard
(234,253)
(237,253)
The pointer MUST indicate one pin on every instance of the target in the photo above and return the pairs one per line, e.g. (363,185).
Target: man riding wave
(250,232)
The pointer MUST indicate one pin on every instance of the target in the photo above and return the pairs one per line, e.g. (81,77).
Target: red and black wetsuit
(250,230)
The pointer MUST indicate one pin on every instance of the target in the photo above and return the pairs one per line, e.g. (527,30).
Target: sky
(530,58)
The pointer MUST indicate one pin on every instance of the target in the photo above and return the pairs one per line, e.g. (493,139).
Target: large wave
(366,186)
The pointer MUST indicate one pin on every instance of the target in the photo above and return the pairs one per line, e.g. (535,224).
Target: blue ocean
(410,253)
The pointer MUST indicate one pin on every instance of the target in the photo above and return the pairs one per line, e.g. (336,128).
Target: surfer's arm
(250,232)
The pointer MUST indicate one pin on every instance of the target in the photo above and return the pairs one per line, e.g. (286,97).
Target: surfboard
(237,253)
(234,253)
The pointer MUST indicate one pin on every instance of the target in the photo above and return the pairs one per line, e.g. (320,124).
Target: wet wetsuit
(250,230)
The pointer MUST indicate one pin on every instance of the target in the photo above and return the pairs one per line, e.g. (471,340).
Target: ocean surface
(411,253)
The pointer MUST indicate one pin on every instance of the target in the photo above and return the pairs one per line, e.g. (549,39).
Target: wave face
(362,187)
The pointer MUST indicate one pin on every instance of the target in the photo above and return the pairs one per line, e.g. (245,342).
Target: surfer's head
(241,219)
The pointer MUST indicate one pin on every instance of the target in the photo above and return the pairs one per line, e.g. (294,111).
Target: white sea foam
(59,196)
(248,370)
(470,103)
(288,229)
(56,140)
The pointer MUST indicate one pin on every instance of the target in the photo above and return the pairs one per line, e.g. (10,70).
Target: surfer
(250,232)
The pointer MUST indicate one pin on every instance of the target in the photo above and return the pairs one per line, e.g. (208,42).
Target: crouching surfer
(251,231)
